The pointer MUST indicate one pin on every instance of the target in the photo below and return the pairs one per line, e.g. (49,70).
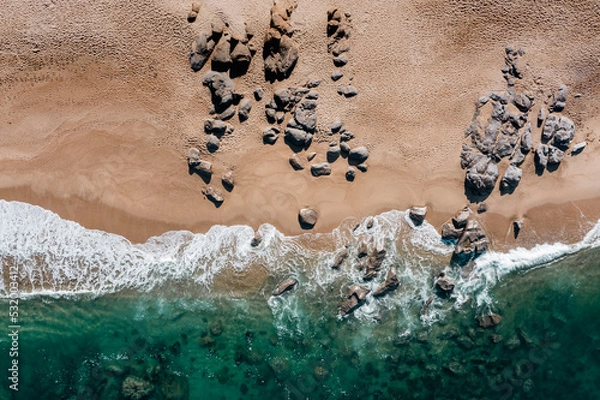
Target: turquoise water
(185,336)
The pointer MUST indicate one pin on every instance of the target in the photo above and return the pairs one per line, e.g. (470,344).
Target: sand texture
(99,107)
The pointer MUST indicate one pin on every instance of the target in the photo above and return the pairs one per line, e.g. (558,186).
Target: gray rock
(297,137)
(307,218)
(296,163)
(559,101)
(311,156)
(221,88)
(136,388)
(499,111)
(340,60)
(503,148)
(279,116)
(348,91)
(320,169)
(549,127)
(526,140)
(283,99)
(517,226)
(482,101)
(345,148)
(355,298)
(346,136)
(350,174)
(285,286)
(217,127)
(270,113)
(473,240)
(202,48)
(362,249)
(450,233)
(517,158)
(522,102)
(541,117)
(417,215)
(241,56)
(362,167)
(511,179)
(541,156)
(244,109)
(228,113)
(390,284)
(333,153)
(213,195)
(212,143)
(336,126)
(481,177)
(193,157)
(564,132)
(358,154)
(259,93)
(312,95)
(227,181)
(270,135)
(306,115)
(578,148)
(339,258)
(281,54)
(555,156)
(336,75)
(221,58)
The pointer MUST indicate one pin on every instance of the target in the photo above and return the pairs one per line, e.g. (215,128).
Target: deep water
(191,316)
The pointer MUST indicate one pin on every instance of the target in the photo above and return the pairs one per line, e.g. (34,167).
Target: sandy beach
(99,107)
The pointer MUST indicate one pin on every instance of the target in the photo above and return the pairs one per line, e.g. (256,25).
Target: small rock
(517,225)
(259,93)
(320,169)
(345,149)
(257,239)
(313,84)
(296,163)
(135,388)
(212,143)
(349,91)
(333,153)
(541,117)
(213,195)
(337,75)
(196,6)
(461,217)
(350,174)
(307,218)
(445,285)
(340,60)
(370,222)
(560,98)
(244,109)
(336,126)
(578,148)
(450,233)
(346,136)
(362,167)
(541,156)
(417,215)
(192,15)
(285,286)
(270,135)
(391,283)
(358,154)
(227,181)
(193,157)
(339,258)
(489,321)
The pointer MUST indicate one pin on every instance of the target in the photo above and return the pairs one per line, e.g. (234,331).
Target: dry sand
(98,107)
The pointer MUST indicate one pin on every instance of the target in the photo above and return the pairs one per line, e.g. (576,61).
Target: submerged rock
(285,286)
(489,320)
(136,388)
(355,298)
(257,239)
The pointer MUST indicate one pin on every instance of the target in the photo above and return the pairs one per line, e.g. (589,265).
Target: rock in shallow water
(390,284)
(285,286)
(355,298)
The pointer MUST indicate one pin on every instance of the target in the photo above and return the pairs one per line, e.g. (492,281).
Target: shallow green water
(547,346)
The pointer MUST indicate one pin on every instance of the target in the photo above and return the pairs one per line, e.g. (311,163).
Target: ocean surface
(192,316)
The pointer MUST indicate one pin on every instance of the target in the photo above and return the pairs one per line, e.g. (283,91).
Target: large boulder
(285,286)
(307,218)
(297,137)
(280,51)
(481,177)
(221,58)
(356,297)
(202,48)
(460,219)
(374,263)
(221,88)
(305,115)
(473,240)
(390,284)
(511,179)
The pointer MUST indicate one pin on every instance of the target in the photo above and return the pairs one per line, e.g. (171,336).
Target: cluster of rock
(204,169)
(468,235)
(508,133)
(280,51)
(339,29)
